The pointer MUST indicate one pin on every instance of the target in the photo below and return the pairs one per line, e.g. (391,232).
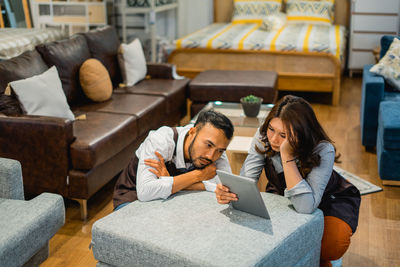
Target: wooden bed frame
(297,71)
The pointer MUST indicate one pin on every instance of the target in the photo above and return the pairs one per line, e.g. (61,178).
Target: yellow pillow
(254,11)
(95,80)
(310,12)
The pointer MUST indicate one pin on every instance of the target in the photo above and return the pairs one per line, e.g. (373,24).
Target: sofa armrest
(11,185)
(373,91)
(41,145)
(160,70)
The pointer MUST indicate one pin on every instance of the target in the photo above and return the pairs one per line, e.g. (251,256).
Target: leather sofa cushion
(95,80)
(100,137)
(175,91)
(103,45)
(68,56)
(84,183)
(9,105)
(21,67)
(149,110)
(227,85)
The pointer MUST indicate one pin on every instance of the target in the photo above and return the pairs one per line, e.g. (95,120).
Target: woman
(298,159)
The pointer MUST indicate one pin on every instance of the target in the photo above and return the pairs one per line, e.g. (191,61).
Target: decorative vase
(251,109)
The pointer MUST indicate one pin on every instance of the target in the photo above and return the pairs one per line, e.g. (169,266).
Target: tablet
(249,197)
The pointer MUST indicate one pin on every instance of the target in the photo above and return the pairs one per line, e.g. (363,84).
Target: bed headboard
(223,10)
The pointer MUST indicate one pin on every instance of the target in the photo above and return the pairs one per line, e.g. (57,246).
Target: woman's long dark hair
(304,132)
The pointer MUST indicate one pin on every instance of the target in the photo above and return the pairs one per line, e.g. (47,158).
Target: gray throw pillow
(43,95)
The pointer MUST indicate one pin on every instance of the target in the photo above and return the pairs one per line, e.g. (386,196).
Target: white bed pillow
(43,95)
(310,12)
(389,65)
(245,11)
(132,62)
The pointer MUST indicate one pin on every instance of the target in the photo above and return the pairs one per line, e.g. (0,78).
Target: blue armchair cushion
(388,162)
(373,92)
(389,124)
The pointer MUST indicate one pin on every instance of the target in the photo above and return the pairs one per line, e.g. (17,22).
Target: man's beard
(200,158)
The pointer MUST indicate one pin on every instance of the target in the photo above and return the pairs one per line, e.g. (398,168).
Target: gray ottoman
(192,229)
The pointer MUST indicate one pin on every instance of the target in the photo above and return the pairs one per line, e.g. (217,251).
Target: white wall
(194,15)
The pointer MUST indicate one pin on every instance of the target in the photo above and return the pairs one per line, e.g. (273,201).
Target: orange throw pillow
(95,80)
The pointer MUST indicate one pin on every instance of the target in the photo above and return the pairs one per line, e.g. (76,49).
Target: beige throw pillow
(389,65)
(95,80)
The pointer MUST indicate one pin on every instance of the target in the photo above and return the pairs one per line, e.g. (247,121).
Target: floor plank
(376,242)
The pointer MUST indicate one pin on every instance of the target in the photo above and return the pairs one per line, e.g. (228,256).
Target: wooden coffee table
(245,128)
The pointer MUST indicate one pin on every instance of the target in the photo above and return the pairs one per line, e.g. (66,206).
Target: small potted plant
(251,105)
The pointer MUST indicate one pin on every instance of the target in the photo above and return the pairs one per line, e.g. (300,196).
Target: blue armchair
(374,91)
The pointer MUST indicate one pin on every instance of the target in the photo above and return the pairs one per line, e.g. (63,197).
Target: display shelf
(150,8)
(72,16)
(370,20)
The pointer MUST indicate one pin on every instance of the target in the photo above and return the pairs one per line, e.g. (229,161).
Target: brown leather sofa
(77,158)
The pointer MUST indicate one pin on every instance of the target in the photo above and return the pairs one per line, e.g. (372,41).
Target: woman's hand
(286,150)
(158,166)
(223,195)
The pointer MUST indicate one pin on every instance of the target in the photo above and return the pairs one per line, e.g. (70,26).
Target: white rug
(365,187)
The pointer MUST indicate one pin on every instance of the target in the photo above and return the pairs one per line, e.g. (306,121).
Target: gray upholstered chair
(25,226)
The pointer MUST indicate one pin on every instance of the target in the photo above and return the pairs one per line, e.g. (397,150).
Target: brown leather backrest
(68,56)
(103,45)
(23,66)
(223,10)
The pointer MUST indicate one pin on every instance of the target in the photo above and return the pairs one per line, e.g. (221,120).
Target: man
(174,159)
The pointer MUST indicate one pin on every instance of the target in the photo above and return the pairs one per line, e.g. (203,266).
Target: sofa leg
(83,204)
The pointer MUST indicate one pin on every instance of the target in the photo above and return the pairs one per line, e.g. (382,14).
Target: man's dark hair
(216,119)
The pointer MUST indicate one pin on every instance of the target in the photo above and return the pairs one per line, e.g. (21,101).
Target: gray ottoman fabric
(39,257)
(11,185)
(26,226)
(192,229)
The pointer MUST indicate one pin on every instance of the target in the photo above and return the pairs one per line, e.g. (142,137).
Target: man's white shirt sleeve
(149,187)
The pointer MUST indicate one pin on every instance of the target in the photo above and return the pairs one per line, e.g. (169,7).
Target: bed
(15,41)
(311,62)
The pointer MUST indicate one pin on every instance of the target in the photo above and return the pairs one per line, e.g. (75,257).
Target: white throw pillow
(274,22)
(389,65)
(43,95)
(132,62)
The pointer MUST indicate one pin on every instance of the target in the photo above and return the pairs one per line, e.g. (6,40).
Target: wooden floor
(376,242)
